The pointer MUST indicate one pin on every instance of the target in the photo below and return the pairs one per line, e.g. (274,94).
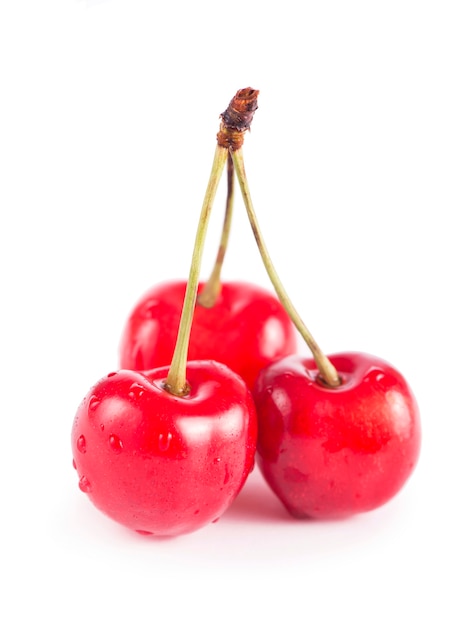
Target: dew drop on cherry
(164,441)
(115,443)
(136,390)
(81,444)
(84,484)
(93,403)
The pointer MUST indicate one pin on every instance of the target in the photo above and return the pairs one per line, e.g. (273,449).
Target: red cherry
(166,451)
(163,464)
(331,452)
(246,329)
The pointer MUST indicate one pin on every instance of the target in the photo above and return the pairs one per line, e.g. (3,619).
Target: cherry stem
(236,120)
(208,295)
(176,382)
(326,369)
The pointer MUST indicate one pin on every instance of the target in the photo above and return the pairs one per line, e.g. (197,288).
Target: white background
(358,163)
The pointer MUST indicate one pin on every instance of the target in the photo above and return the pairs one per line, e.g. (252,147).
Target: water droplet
(93,403)
(112,374)
(164,441)
(217,460)
(136,390)
(115,443)
(144,532)
(81,444)
(84,484)
(101,427)
(196,512)
(214,521)
(74,464)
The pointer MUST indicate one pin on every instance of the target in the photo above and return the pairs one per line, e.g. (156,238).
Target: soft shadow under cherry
(257,503)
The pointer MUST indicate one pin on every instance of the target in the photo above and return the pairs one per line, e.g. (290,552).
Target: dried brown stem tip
(237,117)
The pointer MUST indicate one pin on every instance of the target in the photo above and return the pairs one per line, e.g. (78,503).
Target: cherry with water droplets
(151,465)
(144,442)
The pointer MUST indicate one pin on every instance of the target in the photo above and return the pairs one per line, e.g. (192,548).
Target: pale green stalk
(327,371)
(176,381)
(211,289)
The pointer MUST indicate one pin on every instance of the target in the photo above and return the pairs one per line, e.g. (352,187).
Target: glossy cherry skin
(333,452)
(161,464)
(246,329)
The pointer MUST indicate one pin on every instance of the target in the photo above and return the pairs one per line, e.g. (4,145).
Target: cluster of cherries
(210,380)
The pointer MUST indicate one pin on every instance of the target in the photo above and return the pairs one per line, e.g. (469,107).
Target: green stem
(327,371)
(176,380)
(208,295)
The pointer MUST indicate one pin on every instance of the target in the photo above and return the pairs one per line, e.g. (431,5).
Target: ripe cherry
(159,463)
(247,328)
(335,451)
(336,436)
(236,323)
(166,451)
